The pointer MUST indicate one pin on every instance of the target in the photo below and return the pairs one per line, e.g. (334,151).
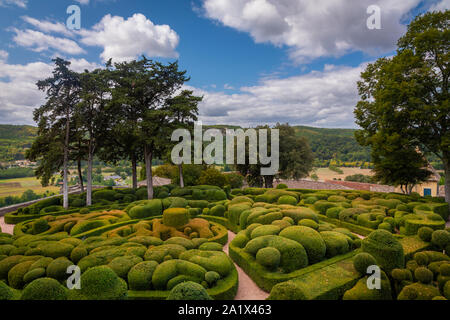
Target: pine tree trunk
(180,168)
(148,169)
(66,164)
(134,171)
(80,175)
(89,178)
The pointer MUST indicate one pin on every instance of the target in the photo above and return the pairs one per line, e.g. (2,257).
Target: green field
(15,187)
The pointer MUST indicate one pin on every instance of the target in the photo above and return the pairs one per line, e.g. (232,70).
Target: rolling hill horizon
(326,143)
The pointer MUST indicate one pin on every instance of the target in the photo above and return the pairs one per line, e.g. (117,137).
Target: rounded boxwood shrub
(287,200)
(402,275)
(337,199)
(310,200)
(421,258)
(446,290)
(6,249)
(418,291)
(412,265)
(140,276)
(269,257)
(408,293)
(385,248)
(175,217)
(217,211)
(217,195)
(41,263)
(386,226)
(54,249)
(145,209)
(51,209)
(177,202)
(265,230)
(300,213)
(423,275)
(362,261)
(57,269)
(310,239)
(210,246)
(189,290)
(100,283)
(16,274)
(104,195)
(334,212)
(78,203)
(440,238)
(34,274)
(167,273)
(444,269)
(44,289)
(425,233)
(336,243)
(6,292)
(40,226)
(122,265)
(282,186)
(309,223)
(281,223)
(211,277)
(322,206)
(78,253)
(86,225)
(128,198)
(361,291)
(85,211)
(209,260)
(293,254)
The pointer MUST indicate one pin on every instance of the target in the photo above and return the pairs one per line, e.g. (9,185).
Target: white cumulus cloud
(320,98)
(312,29)
(38,41)
(127,39)
(19,95)
(47,26)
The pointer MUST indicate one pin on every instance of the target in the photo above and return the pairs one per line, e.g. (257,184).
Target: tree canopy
(407,95)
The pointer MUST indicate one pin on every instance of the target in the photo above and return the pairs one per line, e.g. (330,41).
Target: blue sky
(254,61)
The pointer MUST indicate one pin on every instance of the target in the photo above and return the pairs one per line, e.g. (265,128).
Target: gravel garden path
(247,289)
(6,228)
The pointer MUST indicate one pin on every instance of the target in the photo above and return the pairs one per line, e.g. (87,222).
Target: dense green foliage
(28,195)
(404,103)
(337,144)
(14,141)
(13,173)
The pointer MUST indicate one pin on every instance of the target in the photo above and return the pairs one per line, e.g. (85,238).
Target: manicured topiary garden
(293,243)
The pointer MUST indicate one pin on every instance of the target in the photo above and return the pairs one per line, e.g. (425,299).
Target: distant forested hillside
(327,144)
(337,144)
(14,140)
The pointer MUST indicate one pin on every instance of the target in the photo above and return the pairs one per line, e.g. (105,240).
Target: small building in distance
(430,187)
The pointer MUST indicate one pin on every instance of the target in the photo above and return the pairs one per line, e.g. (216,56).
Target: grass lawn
(15,187)
(327,174)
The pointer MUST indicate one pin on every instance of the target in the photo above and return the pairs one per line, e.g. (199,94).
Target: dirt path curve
(6,228)
(247,289)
